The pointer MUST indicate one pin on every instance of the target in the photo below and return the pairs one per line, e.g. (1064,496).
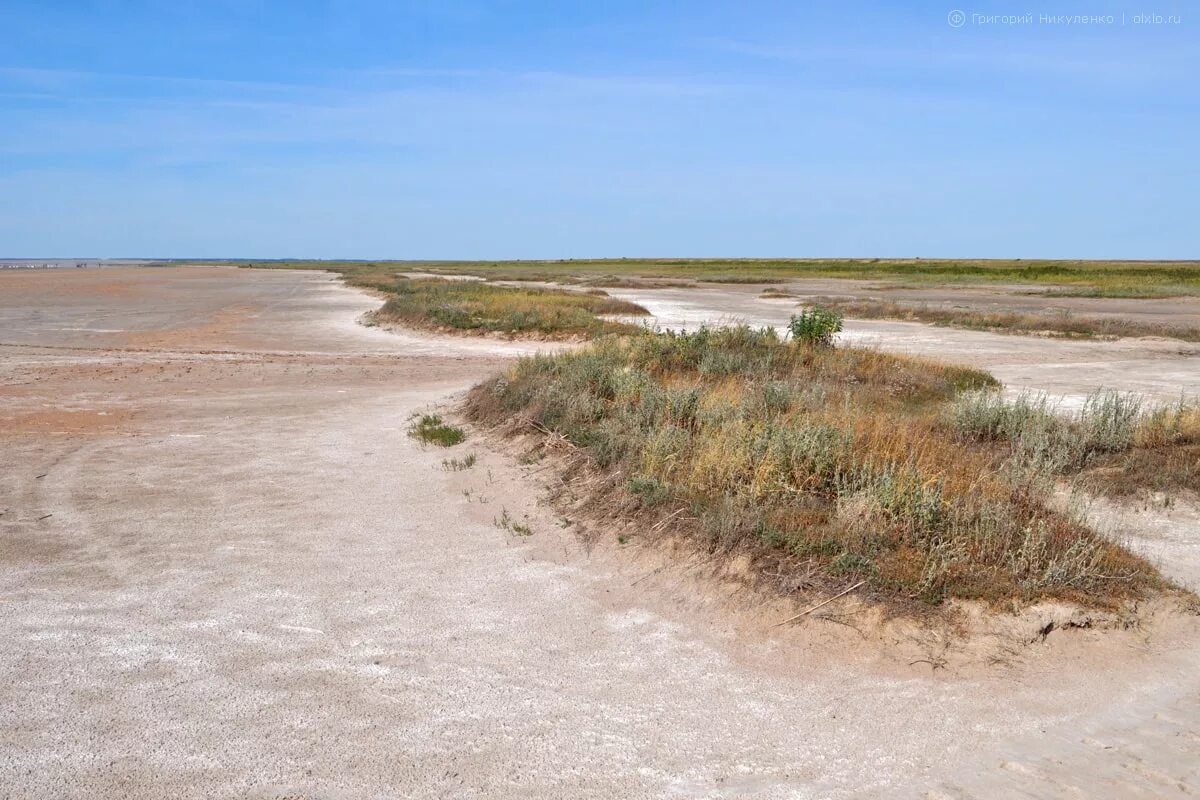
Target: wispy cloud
(1092,62)
(155,118)
(68,80)
(83,84)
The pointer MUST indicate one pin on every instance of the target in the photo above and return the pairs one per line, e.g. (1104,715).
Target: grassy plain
(1132,279)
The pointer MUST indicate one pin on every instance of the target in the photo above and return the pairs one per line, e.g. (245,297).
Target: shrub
(849,564)
(1113,441)
(1110,420)
(1043,441)
(816,326)
(986,415)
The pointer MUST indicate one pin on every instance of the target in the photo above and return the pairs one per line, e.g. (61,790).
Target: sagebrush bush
(1149,446)
(988,415)
(1043,442)
(1110,420)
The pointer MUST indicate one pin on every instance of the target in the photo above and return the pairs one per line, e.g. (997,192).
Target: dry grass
(480,307)
(821,463)
(1168,471)
(1059,324)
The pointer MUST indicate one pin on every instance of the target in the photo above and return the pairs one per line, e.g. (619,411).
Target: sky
(241,129)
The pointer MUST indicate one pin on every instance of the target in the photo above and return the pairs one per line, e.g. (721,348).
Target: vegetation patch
(1062,324)
(431,429)
(822,464)
(1114,443)
(459,464)
(483,307)
(506,522)
(474,306)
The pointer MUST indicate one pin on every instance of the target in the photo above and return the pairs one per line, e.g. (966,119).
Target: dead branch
(819,605)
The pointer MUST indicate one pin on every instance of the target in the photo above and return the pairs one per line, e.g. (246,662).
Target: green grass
(432,429)
(1092,278)
(1058,324)
(821,463)
(480,307)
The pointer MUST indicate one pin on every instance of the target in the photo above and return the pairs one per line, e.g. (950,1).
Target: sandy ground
(227,572)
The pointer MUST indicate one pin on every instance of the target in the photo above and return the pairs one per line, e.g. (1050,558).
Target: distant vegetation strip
(828,465)
(1134,279)
(1059,324)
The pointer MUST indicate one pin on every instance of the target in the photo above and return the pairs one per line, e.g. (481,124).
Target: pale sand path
(254,584)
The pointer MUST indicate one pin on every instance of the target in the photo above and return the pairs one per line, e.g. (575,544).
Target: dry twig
(819,605)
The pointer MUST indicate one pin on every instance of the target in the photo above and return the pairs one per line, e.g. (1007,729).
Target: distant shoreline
(69,263)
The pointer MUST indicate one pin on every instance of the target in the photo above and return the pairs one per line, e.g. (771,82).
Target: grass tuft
(431,429)
(506,522)
(459,464)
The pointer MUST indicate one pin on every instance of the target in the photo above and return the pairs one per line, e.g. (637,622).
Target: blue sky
(560,129)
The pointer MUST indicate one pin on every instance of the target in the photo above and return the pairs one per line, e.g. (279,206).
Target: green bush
(816,326)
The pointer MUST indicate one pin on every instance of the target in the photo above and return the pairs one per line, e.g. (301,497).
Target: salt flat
(228,572)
